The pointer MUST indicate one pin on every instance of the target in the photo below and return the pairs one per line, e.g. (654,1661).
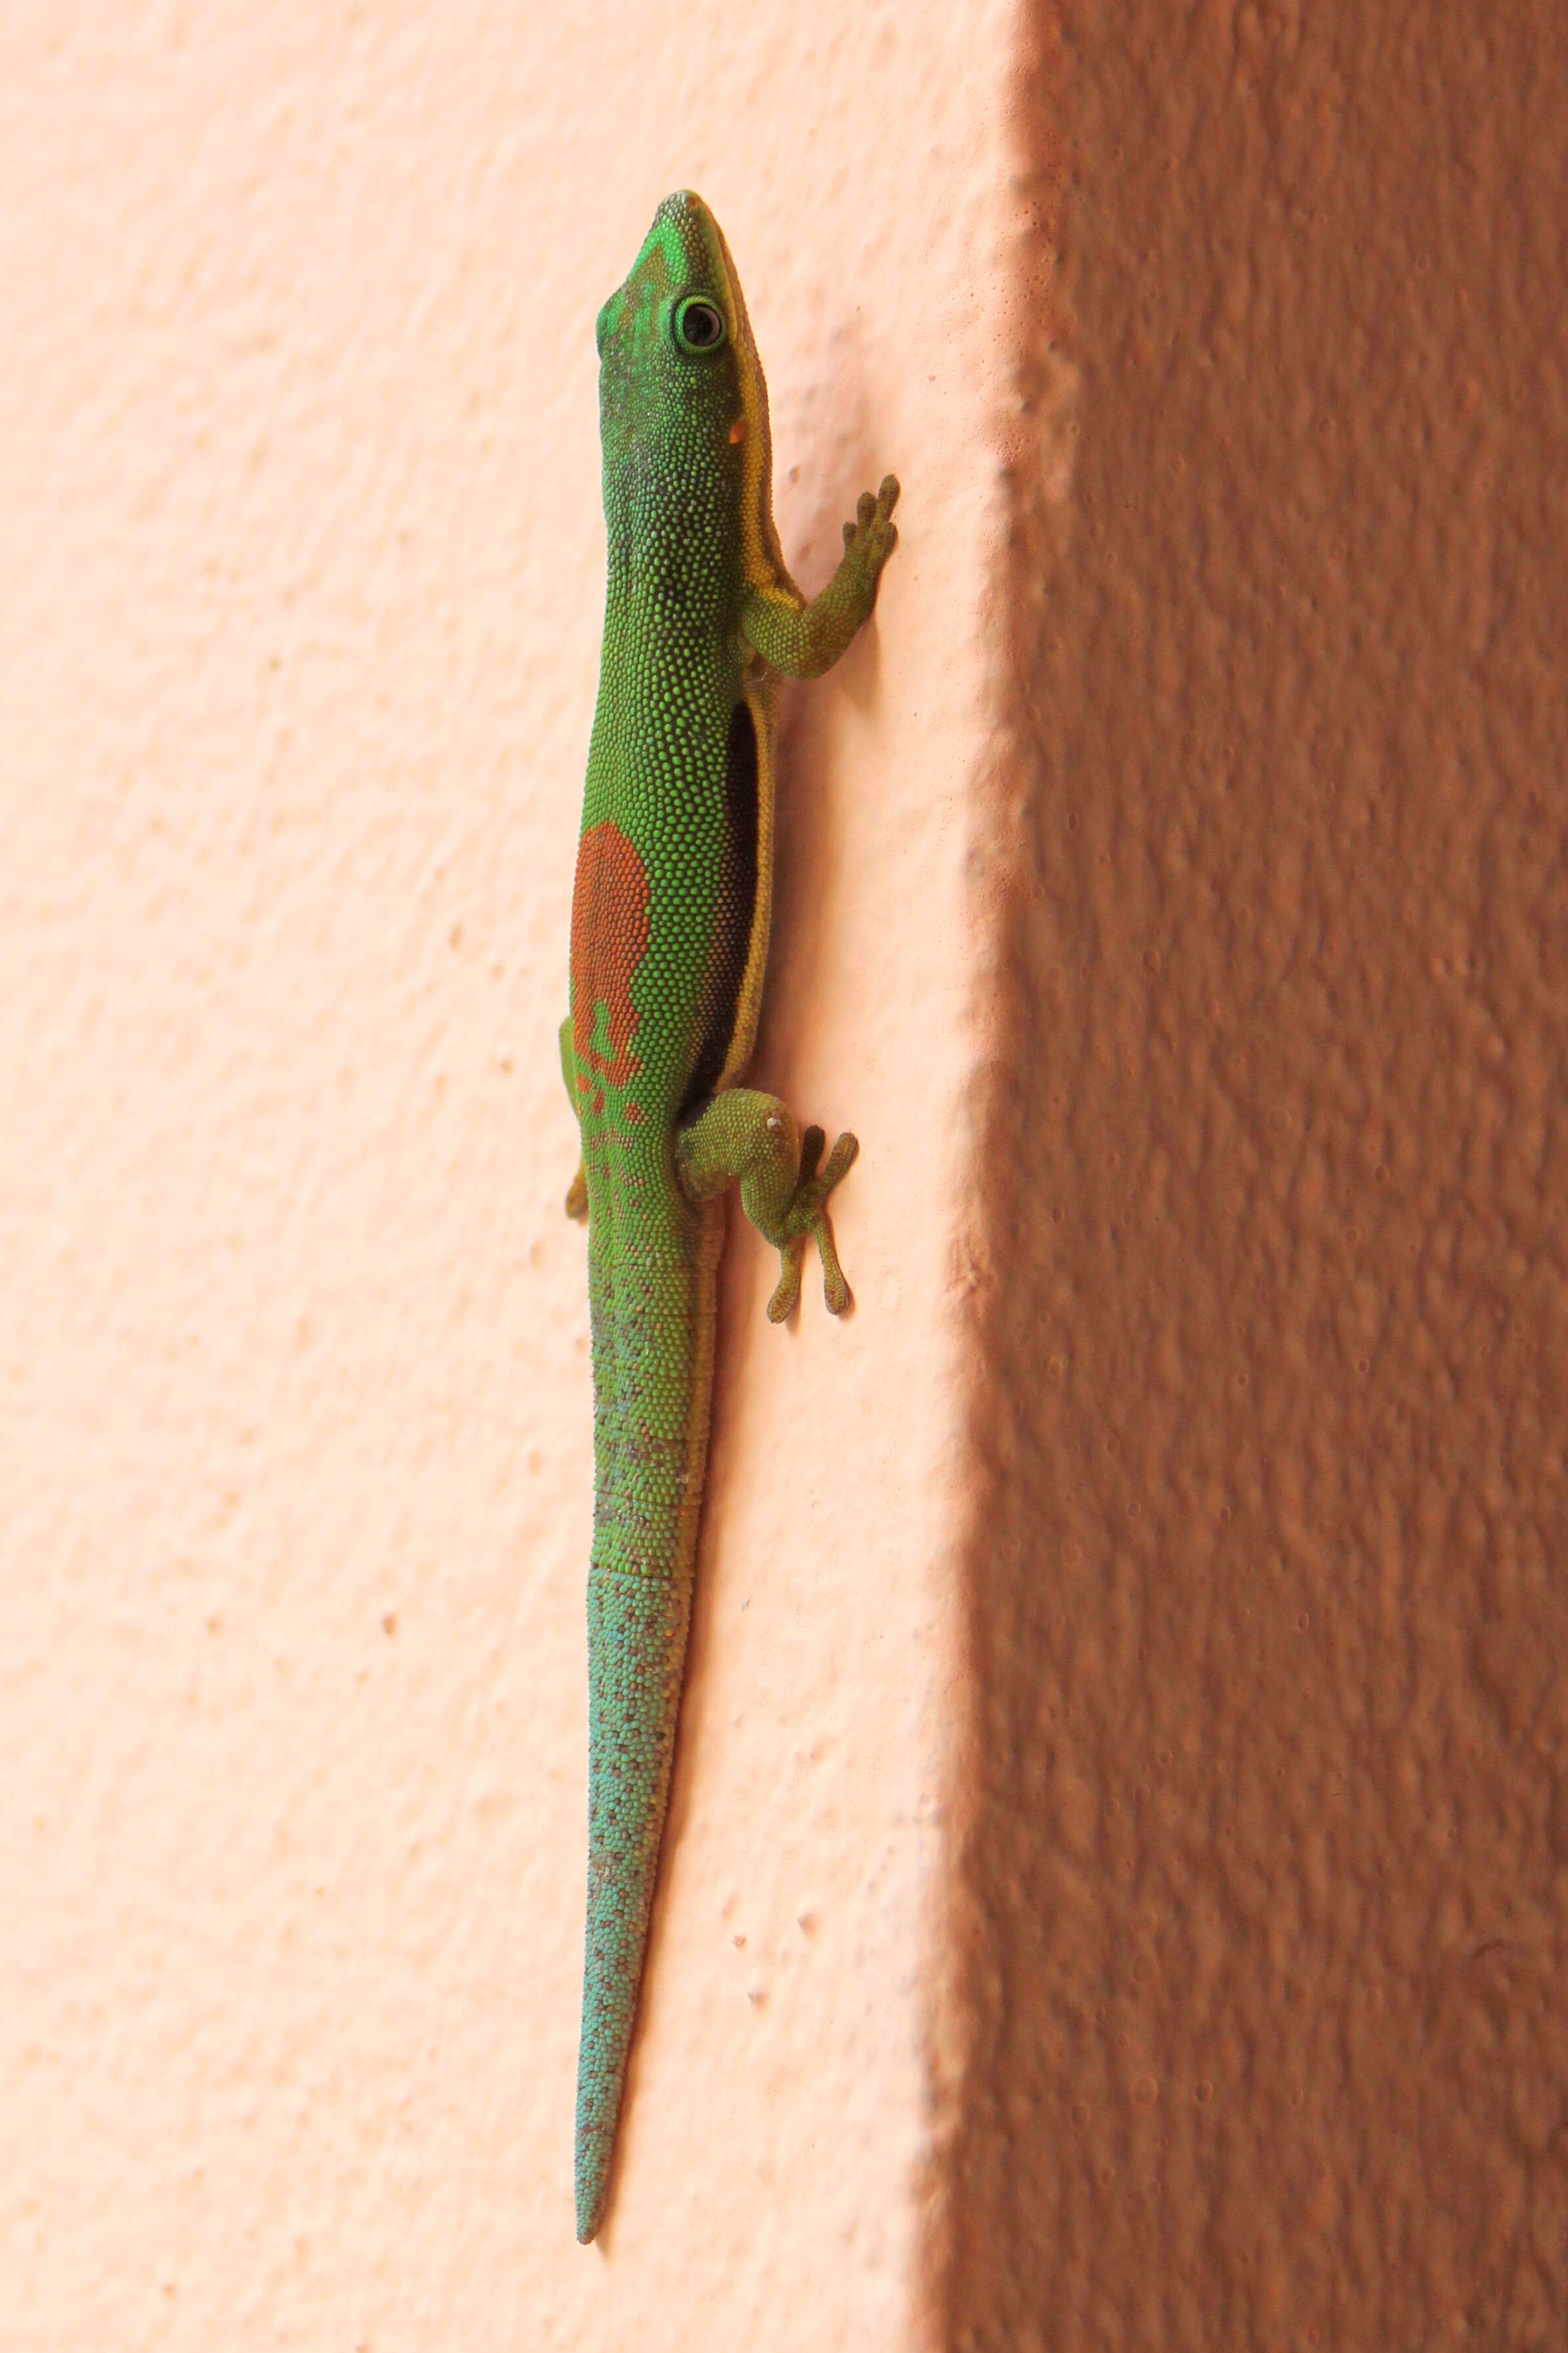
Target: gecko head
(680,387)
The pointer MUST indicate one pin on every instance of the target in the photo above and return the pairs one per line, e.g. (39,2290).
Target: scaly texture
(670,935)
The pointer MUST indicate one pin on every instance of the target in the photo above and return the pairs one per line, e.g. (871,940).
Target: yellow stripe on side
(748,1002)
(761,553)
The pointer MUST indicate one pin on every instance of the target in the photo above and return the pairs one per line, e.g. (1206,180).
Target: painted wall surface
(1262,1901)
(1115,1892)
(299,636)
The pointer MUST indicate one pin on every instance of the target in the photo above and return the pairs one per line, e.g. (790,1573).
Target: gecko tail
(636,1649)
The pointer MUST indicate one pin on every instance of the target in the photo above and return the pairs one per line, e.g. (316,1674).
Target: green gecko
(670,938)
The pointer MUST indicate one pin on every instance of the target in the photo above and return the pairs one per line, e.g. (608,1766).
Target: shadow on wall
(1261,1895)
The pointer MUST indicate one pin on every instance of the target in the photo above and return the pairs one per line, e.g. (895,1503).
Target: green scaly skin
(669,934)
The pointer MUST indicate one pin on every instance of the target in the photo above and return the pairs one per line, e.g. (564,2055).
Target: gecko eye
(699,326)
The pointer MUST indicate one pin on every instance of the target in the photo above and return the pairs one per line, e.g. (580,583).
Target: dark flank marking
(737,905)
(610,940)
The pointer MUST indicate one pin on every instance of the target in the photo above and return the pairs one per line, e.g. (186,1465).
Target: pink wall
(298,454)
(1116,1883)
(1260,1894)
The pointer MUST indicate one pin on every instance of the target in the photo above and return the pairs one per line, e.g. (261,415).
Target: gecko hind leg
(577,1191)
(749,1139)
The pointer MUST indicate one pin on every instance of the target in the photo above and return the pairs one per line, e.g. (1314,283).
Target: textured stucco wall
(299,627)
(1116,1888)
(1262,1898)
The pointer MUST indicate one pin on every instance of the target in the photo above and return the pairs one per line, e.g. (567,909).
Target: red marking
(610,940)
(634,1114)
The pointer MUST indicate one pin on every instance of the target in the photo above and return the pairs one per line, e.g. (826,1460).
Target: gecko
(670,913)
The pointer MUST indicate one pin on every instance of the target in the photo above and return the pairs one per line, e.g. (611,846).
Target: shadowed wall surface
(1191,811)
(1261,1912)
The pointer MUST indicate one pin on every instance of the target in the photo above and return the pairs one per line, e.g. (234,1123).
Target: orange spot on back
(610,940)
(738,430)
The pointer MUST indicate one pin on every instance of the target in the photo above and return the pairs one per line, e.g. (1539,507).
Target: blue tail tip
(592,2186)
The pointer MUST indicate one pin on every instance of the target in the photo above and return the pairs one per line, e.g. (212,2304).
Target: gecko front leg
(804,636)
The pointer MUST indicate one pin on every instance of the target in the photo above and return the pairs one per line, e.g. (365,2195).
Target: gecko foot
(872,535)
(805,1219)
